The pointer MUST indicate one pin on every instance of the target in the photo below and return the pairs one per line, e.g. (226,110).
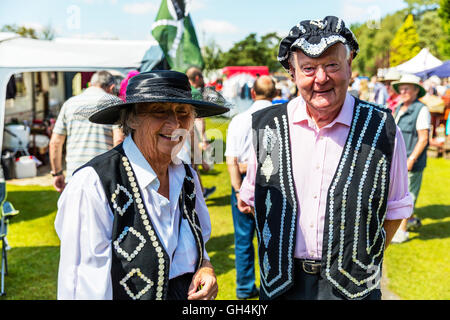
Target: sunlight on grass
(420,267)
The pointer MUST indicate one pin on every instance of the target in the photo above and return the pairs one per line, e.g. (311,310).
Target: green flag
(175,33)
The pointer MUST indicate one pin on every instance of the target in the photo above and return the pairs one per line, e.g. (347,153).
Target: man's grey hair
(102,79)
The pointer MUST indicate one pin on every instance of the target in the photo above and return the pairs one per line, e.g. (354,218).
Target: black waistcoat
(354,238)
(140,264)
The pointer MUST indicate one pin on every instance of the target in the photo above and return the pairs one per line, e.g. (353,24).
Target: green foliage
(405,44)
(444,14)
(420,6)
(46,34)
(212,55)
(433,29)
(23,31)
(443,43)
(430,29)
(248,52)
(374,43)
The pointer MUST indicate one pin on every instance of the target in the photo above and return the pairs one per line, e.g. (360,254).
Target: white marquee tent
(18,54)
(424,60)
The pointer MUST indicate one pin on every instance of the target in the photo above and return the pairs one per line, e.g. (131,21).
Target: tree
(374,43)
(430,30)
(443,44)
(254,52)
(212,56)
(405,44)
(23,31)
(250,51)
(418,7)
(46,34)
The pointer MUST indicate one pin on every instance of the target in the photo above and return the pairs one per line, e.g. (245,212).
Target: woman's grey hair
(128,119)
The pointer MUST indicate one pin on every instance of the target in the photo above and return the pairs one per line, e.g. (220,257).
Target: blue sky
(224,21)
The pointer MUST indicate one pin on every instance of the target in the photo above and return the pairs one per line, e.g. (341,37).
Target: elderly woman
(413,118)
(133,222)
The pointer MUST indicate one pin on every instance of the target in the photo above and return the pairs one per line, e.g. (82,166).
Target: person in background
(237,153)
(364,93)
(278,94)
(393,99)
(327,180)
(198,142)
(414,119)
(85,140)
(380,94)
(351,90)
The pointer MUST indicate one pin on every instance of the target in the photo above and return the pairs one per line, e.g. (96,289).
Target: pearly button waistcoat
(140,265)
(354,238)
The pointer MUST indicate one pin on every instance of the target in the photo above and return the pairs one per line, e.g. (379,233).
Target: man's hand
(59,183)
(410,164)
(204,283)
(243,207)
(390,227)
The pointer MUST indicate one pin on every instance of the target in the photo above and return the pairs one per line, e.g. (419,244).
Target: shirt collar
(145,175)
(259,104)
(344,117)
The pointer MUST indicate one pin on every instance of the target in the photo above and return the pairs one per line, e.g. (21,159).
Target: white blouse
(84,225)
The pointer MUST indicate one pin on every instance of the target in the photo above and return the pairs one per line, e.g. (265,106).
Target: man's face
(323,81)
(408,93)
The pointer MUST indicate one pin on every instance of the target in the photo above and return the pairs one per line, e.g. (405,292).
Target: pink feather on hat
(124,83)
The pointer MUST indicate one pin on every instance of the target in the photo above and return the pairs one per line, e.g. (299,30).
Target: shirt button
(317,167)
(315,197)
(311,225)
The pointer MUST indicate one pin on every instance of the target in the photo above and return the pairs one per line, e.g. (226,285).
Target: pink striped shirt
(316,154)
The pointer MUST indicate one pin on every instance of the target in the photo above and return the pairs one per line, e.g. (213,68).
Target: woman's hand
(204,283)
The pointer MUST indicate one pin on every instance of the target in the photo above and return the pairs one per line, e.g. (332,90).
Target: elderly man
(85,140)
(239,141)
(328,180)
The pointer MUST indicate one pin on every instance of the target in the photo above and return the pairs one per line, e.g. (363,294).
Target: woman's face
(161,128)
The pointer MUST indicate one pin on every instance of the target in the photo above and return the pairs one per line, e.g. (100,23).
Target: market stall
(19,56)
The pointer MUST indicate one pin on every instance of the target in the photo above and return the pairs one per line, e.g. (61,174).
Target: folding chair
(7,212)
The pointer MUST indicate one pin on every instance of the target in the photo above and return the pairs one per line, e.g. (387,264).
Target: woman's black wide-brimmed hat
(159,86)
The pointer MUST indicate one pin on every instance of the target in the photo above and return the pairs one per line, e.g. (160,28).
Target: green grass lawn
(420,267)
(417,269)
